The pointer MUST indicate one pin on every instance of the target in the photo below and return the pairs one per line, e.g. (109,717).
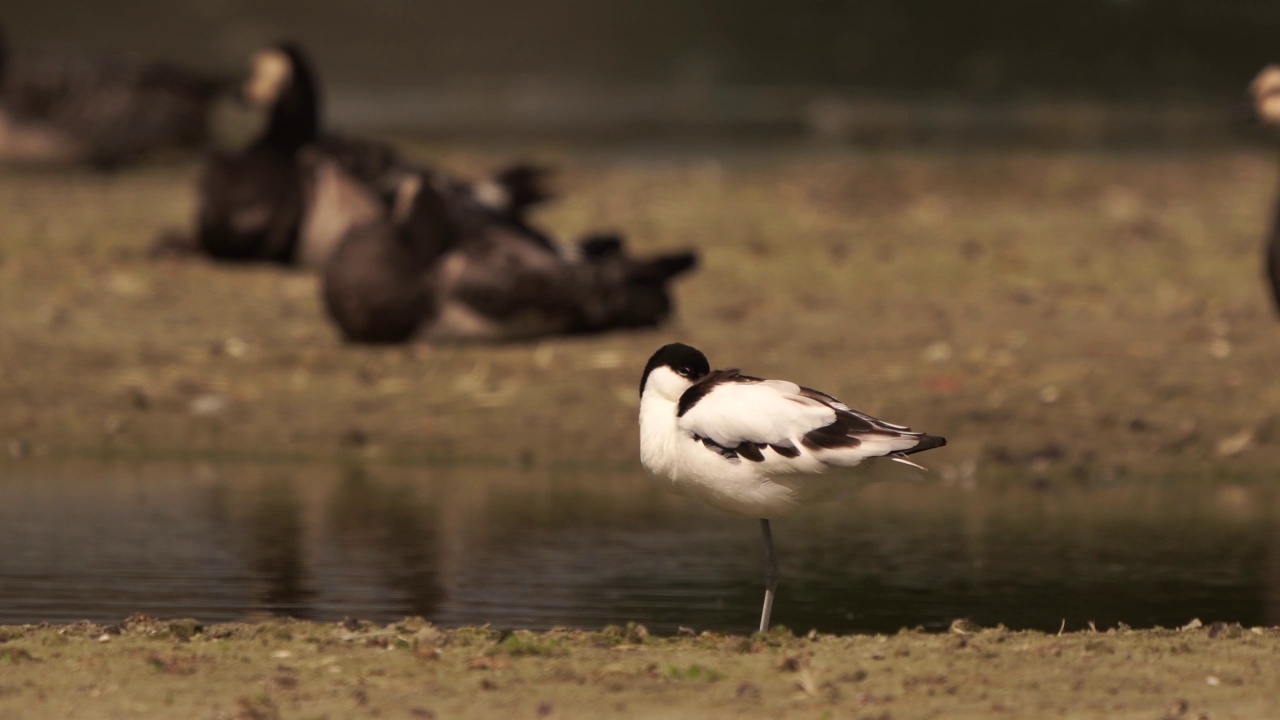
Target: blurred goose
(422,272)
(295,191)
(1265,93)
(375,285)
(104,111)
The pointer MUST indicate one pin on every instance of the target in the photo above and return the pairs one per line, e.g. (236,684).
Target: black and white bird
(756,447)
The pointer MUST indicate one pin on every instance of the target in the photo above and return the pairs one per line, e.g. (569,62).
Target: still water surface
(540,549)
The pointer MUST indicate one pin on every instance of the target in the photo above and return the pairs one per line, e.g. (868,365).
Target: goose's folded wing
(500,274)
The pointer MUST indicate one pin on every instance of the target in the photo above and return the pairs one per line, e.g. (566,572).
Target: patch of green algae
(147,668)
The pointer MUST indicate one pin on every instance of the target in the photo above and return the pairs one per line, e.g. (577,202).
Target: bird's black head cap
(685,360)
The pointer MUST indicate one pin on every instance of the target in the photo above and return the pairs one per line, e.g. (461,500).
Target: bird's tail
(624,291)
(526,185)
(610,247)
(926,442)
(664,268)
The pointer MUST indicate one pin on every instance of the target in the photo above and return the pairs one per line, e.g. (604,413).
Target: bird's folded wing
(752,410)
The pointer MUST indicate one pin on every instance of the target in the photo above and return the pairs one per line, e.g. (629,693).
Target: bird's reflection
(395,524)
(377,542)
(1271,612)
(276,549)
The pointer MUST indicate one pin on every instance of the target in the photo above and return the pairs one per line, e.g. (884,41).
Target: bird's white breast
(769,489)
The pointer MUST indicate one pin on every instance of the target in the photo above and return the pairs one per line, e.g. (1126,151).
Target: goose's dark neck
(295,117)
(429,230)
(426,239)
(4,56)
(1273,255)
(1273,237)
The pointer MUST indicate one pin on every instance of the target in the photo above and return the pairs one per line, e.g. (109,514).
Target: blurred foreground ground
(145,668)
(1062,312)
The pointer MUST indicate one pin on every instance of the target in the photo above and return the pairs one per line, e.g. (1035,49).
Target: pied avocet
(755,447)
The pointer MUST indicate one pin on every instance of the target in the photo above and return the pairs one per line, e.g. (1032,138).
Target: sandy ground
(145,668)
(1092,315)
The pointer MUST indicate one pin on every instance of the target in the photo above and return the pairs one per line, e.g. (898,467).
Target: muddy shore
(151,668)
(1082,314)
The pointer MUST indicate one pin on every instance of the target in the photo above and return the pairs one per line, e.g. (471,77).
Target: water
(540,549)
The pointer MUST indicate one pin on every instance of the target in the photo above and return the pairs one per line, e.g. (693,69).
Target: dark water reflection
(469,545)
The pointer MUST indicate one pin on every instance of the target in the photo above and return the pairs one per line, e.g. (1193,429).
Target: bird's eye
(682,372)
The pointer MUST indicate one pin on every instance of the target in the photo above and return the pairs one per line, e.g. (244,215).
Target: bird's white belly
(756,489)
(765,489)
(336,203)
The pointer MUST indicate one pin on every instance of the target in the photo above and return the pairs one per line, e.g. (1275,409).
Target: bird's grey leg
(770,574)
